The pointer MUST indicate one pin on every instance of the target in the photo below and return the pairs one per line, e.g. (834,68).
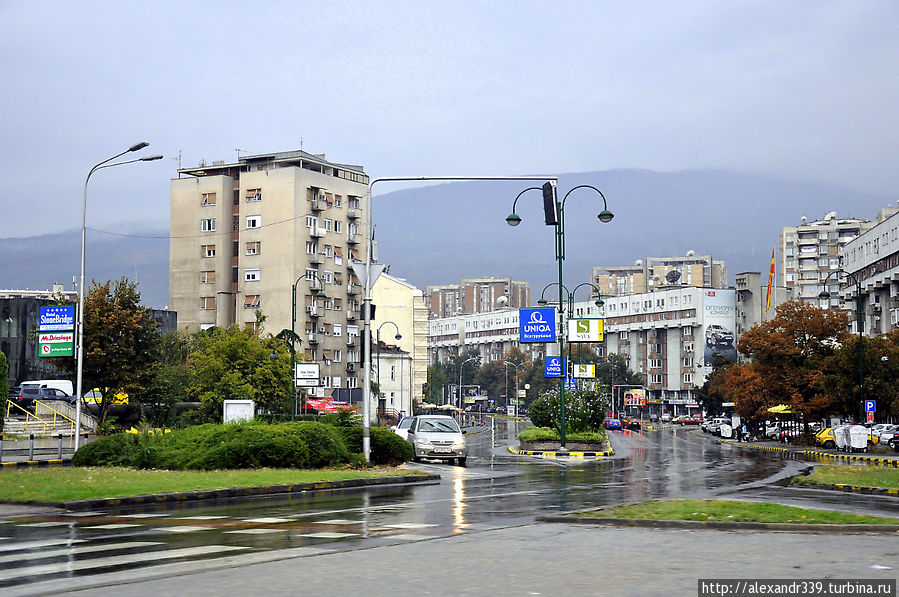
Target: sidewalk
(890,458)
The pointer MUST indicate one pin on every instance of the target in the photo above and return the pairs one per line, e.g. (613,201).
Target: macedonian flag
(770,282)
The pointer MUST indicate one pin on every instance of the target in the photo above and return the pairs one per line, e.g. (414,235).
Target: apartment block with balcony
(873,260)
(810,251)
(243,233)
(656,273)
(477,295)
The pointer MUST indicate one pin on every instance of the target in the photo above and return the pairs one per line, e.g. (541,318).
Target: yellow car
(826,439)
(94,397)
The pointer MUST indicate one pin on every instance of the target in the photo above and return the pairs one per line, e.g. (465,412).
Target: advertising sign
(54,319)
(552,367)
(308,375)
(719,322)
(584,371)
(635,397)
(56,344)
(585,330)
(537,325)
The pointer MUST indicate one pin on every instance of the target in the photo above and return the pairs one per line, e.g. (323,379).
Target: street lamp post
(859,323)
(555,216)
(293,335)
(366,315)
(397,337)
(79,328)
(461,366)
(506,364)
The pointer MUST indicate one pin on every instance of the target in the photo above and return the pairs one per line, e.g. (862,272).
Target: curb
(722,526)
(869,459)
(50,462)
(213,494)
(551,455)
(852,488)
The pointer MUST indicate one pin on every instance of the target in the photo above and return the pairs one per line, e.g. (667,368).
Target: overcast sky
(798,89)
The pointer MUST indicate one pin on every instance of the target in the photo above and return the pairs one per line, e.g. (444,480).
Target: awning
(781,409)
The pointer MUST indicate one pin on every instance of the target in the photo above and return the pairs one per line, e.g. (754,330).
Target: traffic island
(555,452)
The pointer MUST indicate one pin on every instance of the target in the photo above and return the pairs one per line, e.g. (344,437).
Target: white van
(60,384)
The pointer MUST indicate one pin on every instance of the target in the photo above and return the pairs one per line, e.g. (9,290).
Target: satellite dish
(638,262)
(672,277)
(690,253)
(655,278)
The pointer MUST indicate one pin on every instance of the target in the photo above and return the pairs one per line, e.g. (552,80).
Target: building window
(338,226)
(338,354)
(311,273)
(251,301)
(207,302)
(327,250)
(254,194)
(338,201)
(622,336)
(254,247)
(207,199)
(207,277)
(311,222)
(688,378)
(207,251)
(688,361)
(655,363)
(328,224)
(311,247)
(254,221)
(352,382)
(688,347)
(251,275)
(207,225)
(656,379)
(338,329)
(327,277)
(687,330)
(656,348)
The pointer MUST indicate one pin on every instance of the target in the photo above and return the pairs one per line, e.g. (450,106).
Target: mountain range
(439,234)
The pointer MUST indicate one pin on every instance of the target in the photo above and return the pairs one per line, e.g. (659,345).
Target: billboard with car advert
(635,397)
(718,323)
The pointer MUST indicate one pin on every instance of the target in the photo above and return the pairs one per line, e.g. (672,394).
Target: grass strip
(847,474)
(732,511)
(80,483)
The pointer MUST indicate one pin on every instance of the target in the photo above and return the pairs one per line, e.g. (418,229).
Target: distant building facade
(653,273)
(752,297)
(872,259)
(477,295)
(810,251)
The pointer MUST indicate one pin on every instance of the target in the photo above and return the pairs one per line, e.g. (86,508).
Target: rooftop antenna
(178,160)
(301,144)
(238,150)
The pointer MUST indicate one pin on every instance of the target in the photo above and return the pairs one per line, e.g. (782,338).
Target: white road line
(150,556)
(337,521)
(45,524)
(113,526)
(53,553)
(23,545)
(183,529)
(199,517)
(329,535)
(267,520)
(255,531)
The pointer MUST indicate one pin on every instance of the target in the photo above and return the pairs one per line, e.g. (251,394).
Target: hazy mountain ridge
(461,226)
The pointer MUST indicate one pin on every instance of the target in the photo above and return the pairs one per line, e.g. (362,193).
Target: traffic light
(549,204)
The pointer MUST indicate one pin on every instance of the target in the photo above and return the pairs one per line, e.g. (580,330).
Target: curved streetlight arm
(79,327)
(513,218)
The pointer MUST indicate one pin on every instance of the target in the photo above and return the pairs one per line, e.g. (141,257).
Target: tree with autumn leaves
(806,358)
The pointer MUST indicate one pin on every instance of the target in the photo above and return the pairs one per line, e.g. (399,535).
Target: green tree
(436,382)
(4,385)
(236,364)
(121,346)
(880,369)
(172,378)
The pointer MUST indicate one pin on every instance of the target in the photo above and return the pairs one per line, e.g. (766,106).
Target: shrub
(536,434)
(114,450)
(584,410)
(386,447)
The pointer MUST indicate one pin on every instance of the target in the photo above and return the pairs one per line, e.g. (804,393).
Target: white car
(402,427)
(437,437)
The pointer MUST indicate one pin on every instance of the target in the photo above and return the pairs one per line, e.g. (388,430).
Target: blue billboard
(553,366)
(59,318)
(537,325)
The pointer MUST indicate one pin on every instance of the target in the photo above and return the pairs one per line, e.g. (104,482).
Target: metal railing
(57,417)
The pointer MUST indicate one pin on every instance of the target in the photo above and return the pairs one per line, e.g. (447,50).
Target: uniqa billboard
(719,323)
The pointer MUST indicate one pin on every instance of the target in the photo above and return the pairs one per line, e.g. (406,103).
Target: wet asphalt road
(496,490)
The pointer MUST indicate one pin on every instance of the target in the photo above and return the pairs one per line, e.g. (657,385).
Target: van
(60,384)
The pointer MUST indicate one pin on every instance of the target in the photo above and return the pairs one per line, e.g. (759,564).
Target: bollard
(31,448)
(1,447)
(59,452)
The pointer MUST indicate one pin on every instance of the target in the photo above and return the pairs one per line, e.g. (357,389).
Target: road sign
(585,330)
(552,367)
(58,318)
(870,414)
(308,375)
(870,406)
(56,344)
(584,371)
(570,383)
(537,325)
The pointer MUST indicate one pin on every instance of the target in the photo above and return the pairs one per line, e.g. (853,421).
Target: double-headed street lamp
(554,212)
(79,328)
(398,336)
(293,334)
(859,323)
(461,366)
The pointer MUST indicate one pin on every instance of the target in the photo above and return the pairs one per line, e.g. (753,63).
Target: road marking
(409,525)
(45,524)
(337,521)
(267,520)
(121,525)
(22,545)
(54,553)
(80,514)
(136,558)
(183,529)
(199,517)
(159,515)
(256,531)
(329,535)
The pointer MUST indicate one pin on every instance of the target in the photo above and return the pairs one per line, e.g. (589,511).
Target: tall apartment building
(811,251)
(477,295)
(244,234)
(653,273)
(751,298)
(872,260)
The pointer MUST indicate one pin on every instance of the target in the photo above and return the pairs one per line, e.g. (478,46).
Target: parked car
(437,437)
(402,427)
(699,419)
(666,417)
(716,334)
(712,425)
(893,442)
(685,420)
(29,394)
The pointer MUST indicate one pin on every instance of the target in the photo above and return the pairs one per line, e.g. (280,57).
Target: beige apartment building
(477,295)
(654,273)
(245,234)
(811,251)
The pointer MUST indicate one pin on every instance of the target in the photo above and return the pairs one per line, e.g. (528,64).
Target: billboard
(537,325)
(635,397)
(585,330)
(719,324)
